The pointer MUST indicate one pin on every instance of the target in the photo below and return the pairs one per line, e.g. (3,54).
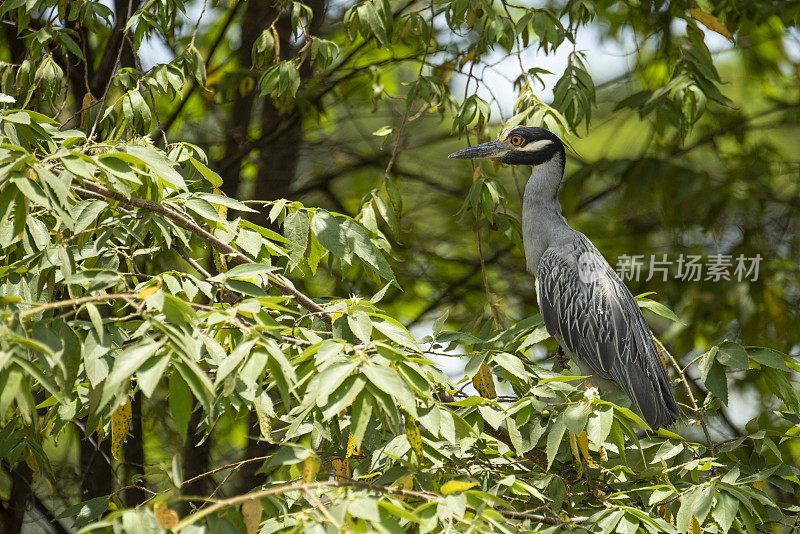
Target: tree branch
(711,447)
(93,190)
(111,72)
(175,114)
(350,483)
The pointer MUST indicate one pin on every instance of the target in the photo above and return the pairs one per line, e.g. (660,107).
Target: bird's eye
(516,140)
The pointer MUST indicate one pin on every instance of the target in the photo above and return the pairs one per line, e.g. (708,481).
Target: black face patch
(538,145)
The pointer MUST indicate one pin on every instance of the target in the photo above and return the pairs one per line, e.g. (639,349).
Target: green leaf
(149,375)
(512,365)
(599,424)
(33,371)
(328,380)
(232,361)
(197,380)
(554,438)
(455,486)
(575,417)
(330,234)
(388,380)
(127,362)
(667,450)
(781,386)
(361,325)
(221,200)
(702,503)
(288,455)
(365,508)
(724,511)
(659,494)
(385,378)
(158,163)
(204,209)
(684,517)
(85,512)
(767,357)
(733,355)
(383,131)
(210,176)
(343,236)
(361,413)
(657,308)
(180,403)
(295,227)
(395,332)
(713,375)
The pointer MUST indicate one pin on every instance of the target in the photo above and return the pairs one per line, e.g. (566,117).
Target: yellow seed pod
(573,445)
(583,445)
(120,423)
(264,423)
(166,517)
(351,445)
(414,436)
(251,514)
(484,382)
(341,467)
(665,514)
(310,468)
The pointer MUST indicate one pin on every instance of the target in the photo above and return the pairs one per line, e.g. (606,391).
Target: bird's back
(588,309)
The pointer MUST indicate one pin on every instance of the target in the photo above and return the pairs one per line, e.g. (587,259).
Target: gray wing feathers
(586,305)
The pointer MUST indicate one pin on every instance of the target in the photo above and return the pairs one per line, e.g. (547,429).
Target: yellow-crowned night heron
(585,305)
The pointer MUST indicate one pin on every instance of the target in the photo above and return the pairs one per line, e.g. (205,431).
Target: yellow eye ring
(516,140)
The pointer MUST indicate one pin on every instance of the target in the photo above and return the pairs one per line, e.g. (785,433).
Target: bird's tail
(651,390)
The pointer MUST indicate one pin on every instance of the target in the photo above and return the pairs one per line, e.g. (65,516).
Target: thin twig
(89,231)
(191,261)
(111,76)
(350,483)
(711,447)
(197,26)
(233,466)
(171,120)
(408,106)
(77,302)
(322,508)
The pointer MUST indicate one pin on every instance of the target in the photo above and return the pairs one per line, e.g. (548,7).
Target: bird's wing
(586,306)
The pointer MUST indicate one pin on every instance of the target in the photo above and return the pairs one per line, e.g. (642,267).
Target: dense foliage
(175,355)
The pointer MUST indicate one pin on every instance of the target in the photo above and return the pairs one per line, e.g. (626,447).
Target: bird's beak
(491,150)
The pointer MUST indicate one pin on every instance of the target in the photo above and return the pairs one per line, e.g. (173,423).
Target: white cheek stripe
(536,145)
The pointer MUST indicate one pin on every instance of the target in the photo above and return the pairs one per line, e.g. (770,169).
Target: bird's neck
(542,222)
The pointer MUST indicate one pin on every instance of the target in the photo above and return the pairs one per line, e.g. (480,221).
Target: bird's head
(519,145)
